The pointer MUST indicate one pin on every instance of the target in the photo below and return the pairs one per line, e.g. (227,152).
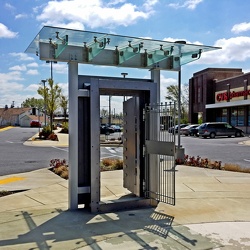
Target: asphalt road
(17,158)
(224,149)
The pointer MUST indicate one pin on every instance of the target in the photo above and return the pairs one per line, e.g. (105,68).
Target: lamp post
(51,68)
(110,110)
(44,97)
(179,108)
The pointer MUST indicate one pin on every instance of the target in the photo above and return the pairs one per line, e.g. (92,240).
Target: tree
(64,105)
(33,103)
(51,95)
(172,95)
(104,112)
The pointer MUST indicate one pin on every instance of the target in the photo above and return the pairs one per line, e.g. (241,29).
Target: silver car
(213,129)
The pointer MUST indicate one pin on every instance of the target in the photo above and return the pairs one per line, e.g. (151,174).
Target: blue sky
(223,23)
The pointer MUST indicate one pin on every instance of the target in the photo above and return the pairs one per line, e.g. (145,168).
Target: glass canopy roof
(59,44)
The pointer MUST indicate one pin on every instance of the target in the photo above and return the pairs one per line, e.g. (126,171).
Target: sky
(223,23)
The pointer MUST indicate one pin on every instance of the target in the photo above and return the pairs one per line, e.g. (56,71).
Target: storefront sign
(225,96)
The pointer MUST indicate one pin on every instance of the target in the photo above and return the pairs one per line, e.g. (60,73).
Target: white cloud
(32,72)
(32,87)
(172,40)
(165,82)
(61,68)
(78,14)
(18,68)
(148,5)
(241,27)
(10,87)
(22,56)
(115,2)
(6,33)
(20,16)
(32,65)
(64,87)
(8,6)
(11,76)
(13,90)
(189,4)
(235,49)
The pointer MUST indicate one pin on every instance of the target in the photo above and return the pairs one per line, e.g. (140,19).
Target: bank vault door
(159,153)
(131,150)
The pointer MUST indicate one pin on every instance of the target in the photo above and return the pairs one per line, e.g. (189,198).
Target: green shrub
(65,128)
(44,134)
(205,163)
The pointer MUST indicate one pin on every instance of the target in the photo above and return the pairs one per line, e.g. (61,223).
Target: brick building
(220,94)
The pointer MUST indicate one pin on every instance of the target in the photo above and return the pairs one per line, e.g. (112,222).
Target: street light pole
(51,68)
(44,97)
(179,108)
(110,110)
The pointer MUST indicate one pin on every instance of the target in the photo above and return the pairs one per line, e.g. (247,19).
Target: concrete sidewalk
(211,212)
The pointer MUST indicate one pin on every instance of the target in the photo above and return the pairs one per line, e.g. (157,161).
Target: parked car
(116,128)
(35,123)
(213,129)
(106,130)
(194,131)
(186,130)
(174,129)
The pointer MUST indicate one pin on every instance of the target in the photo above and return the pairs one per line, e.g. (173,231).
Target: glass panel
(240,116)
(221,115)
(158,50)
(234,116)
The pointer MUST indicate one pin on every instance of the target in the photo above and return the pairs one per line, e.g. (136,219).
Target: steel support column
(73,135)
(156,77)
(154,133)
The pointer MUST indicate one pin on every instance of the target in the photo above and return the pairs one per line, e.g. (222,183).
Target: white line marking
(110,150)
(60,148)
(111,155)
(246,160)
(9,141)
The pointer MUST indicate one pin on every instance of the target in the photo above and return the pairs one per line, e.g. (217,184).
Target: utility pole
(110,110)
(44,99)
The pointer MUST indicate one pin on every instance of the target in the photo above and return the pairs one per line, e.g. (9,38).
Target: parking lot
(224,149)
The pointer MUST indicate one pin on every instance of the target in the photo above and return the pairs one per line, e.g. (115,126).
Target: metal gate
(159,179)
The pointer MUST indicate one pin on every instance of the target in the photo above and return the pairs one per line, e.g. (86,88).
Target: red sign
(225,96)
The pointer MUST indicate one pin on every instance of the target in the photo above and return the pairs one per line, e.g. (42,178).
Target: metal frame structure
(74,47)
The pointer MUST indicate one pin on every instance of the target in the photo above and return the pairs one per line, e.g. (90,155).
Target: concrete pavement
(211,212)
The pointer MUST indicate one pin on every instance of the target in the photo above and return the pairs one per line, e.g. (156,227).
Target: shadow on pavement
(136,229)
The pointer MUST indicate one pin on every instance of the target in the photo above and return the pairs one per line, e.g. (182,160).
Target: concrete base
(180,154)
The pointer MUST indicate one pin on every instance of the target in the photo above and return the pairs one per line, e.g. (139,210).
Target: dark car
(106,130)
(35,123)
(193,131)
(174,129)
(186,130)
(213,129)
